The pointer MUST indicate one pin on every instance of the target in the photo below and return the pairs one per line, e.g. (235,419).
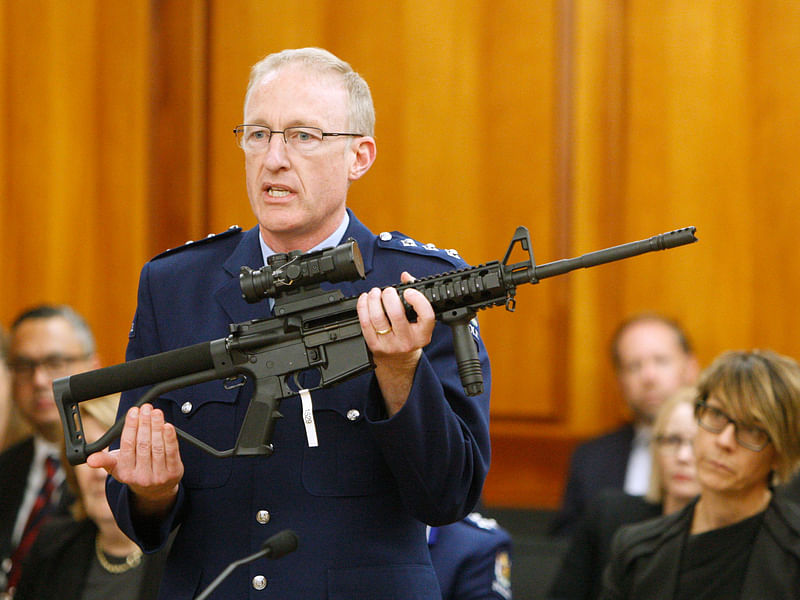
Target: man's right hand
(148,460)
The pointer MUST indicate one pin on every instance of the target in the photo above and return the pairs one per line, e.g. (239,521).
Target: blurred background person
(652,358)
(7,413)
(472,559)
(738,540)
(46,342)
(85,556)
(12,428)
(673,484)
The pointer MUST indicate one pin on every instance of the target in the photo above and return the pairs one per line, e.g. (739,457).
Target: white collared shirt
(637,475)
(41,450)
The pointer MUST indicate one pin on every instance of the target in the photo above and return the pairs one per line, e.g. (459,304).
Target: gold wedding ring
(383,331)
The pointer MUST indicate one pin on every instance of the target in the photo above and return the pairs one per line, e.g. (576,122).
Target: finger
(172,457)
(127,440)
(367,329)
(157,440)
(407,277)
(377,316)
(144,460)
(421,306)
(393,308)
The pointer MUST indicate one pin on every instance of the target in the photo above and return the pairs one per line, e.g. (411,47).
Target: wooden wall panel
(592,123)
(74,138)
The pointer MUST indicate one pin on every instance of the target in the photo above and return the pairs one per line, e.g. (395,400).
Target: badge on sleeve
(502,574)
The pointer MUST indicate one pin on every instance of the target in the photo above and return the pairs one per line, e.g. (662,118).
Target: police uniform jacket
(645,557)
(472,558)
(360,500)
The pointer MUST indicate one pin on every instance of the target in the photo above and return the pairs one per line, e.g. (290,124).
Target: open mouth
(273,191)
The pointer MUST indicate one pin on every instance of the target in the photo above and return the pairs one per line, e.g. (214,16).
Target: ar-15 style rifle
(316,329)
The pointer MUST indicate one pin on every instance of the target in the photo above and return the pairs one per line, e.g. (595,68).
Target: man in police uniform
(472,558)
(395,448)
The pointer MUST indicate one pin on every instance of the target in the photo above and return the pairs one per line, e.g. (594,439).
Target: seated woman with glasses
(673,484)
(738,540)
(86,556)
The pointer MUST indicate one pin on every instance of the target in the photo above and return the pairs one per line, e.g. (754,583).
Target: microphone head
(281,543)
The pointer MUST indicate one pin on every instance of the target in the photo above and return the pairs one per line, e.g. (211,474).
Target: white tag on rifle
(308,419)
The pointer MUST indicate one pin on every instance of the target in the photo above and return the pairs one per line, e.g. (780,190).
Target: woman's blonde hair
(104,411)
(685,395)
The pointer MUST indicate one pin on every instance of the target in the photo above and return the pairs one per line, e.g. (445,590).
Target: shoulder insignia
(481,522)
(398,241)
(210,237)
(501,584)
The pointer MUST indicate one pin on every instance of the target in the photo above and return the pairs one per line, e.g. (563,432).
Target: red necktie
(42,508)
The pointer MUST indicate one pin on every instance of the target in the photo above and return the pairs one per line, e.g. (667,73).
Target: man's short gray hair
(361,113)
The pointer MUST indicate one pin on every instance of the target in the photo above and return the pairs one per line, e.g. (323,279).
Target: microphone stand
(279,544)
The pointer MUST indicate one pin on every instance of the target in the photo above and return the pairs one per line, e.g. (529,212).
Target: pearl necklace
(133,560)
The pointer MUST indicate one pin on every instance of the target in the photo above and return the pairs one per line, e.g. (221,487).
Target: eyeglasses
(256,138)
(54,365)
(714,420)
(673,443)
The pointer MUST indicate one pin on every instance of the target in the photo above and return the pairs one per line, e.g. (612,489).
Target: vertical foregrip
(469,365)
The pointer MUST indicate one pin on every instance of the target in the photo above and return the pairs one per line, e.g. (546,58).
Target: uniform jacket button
(353,414)
(263,517)
(186,408)
(259,582)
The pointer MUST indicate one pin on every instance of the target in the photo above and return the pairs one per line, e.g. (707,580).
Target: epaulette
(192,243)
(394,240)
(481,522)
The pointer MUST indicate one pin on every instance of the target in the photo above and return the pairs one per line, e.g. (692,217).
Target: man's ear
(365,150)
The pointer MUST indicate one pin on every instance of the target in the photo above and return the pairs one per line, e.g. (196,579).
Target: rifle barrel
(671,239)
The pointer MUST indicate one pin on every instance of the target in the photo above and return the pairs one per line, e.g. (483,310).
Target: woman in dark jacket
(87,557)
(673,484)
(738,540)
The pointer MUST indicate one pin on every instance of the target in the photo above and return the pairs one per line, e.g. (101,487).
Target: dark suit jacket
(15,465)
(595,465)
(359,500)
(59,561)
(580,576)
(15,462)
(645,557)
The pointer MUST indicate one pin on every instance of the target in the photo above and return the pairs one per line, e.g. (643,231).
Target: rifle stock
(317,330)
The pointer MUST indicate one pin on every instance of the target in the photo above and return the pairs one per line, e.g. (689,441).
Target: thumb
(104,459)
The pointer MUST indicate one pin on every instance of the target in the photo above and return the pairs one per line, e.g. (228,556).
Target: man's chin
(52,431)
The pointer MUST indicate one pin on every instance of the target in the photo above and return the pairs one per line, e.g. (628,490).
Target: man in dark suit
(384,453)
(46,342)
(652,358)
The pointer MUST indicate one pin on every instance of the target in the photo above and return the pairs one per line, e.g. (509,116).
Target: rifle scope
(284,272)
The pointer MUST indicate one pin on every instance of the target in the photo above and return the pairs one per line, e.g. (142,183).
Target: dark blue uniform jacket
(358,501)
(472,558)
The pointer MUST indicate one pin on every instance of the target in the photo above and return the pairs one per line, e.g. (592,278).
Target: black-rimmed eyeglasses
(54,365)
(256,138)
(715,420)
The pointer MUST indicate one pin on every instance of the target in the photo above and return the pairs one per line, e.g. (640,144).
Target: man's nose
(276,155)
(41,376)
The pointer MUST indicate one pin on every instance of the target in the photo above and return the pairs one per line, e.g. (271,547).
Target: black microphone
(278,545)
